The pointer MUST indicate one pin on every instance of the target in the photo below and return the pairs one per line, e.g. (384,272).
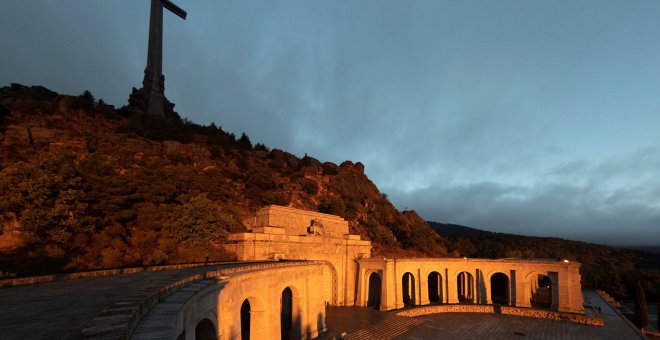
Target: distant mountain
(447,229)
(612,269)
(648,249)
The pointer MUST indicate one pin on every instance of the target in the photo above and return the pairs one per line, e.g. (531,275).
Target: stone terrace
(61,309)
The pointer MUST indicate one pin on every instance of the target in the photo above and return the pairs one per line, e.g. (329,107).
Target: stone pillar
(411,289)
(452,288)
(423,290)
(576,300)
(389,292)
(489,293)
(554,291)
(445,287)
(523,290)
(512,288)
(481,287)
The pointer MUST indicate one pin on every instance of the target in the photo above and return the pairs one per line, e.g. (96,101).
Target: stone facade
(294,234)
(520,277)
(289,234)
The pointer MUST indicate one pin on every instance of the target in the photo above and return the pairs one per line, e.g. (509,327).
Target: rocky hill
(85,185)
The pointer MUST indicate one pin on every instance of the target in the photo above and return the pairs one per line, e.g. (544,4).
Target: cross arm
(174,9)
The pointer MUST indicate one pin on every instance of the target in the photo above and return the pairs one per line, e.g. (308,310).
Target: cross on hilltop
(152,97)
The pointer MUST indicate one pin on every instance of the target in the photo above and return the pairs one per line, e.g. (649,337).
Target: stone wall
(505,310)
(297,221)
(21,281)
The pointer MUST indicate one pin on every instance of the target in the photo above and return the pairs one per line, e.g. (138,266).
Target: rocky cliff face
(87,186)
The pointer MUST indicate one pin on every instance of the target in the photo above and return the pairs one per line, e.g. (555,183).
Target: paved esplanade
(60,310)
(496,326)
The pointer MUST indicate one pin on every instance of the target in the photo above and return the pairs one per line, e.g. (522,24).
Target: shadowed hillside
(87,186)
(615,270)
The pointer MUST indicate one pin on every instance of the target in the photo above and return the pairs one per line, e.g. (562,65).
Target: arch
(435,287)
(245,320)
(334,283)
(375,283)
(541,291)
(290,316)
(500,289)
(256,317)
(408,289)
(465,287)
(205,330)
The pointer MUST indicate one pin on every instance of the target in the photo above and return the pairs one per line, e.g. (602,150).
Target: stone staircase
(387,329)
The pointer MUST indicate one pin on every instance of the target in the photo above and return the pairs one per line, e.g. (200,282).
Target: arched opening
(408,289)
(290,316)
(435,287)
(499,289)
(465,287)
(375,286)
(286,313)
(245,320)
(205,330)
(330,283)
(541,286)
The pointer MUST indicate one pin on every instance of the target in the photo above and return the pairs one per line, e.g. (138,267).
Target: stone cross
(153,85)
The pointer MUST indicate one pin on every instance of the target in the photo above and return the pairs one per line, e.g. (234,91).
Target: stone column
(555,291)
(523,290)
(389,295)
(423,289)
(489,293)
(513,281)
(452,288)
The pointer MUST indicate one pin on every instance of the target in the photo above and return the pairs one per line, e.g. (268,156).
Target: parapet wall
(297,221)
(505,310)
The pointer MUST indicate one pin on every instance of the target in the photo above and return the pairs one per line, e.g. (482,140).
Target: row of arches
(499,284)
(289,320)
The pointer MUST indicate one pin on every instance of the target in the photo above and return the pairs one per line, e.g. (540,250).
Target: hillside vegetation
(614,270)
(86,186)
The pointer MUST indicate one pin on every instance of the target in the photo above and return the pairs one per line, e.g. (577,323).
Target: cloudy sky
(529,117)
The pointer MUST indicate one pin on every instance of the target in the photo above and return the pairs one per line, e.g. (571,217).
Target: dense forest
(612,269)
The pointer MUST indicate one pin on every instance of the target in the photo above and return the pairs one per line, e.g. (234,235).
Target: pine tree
(244,142)
(87,96)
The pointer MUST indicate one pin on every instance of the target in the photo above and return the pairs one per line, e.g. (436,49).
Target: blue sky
(530,117)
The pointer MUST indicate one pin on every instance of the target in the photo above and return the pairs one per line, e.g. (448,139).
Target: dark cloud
(615,202)
(524,117)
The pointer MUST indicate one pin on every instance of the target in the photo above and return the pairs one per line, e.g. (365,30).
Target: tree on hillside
(46,196)
(199,221)
(333,205)
(641,313)
(244,142)
(87,96)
